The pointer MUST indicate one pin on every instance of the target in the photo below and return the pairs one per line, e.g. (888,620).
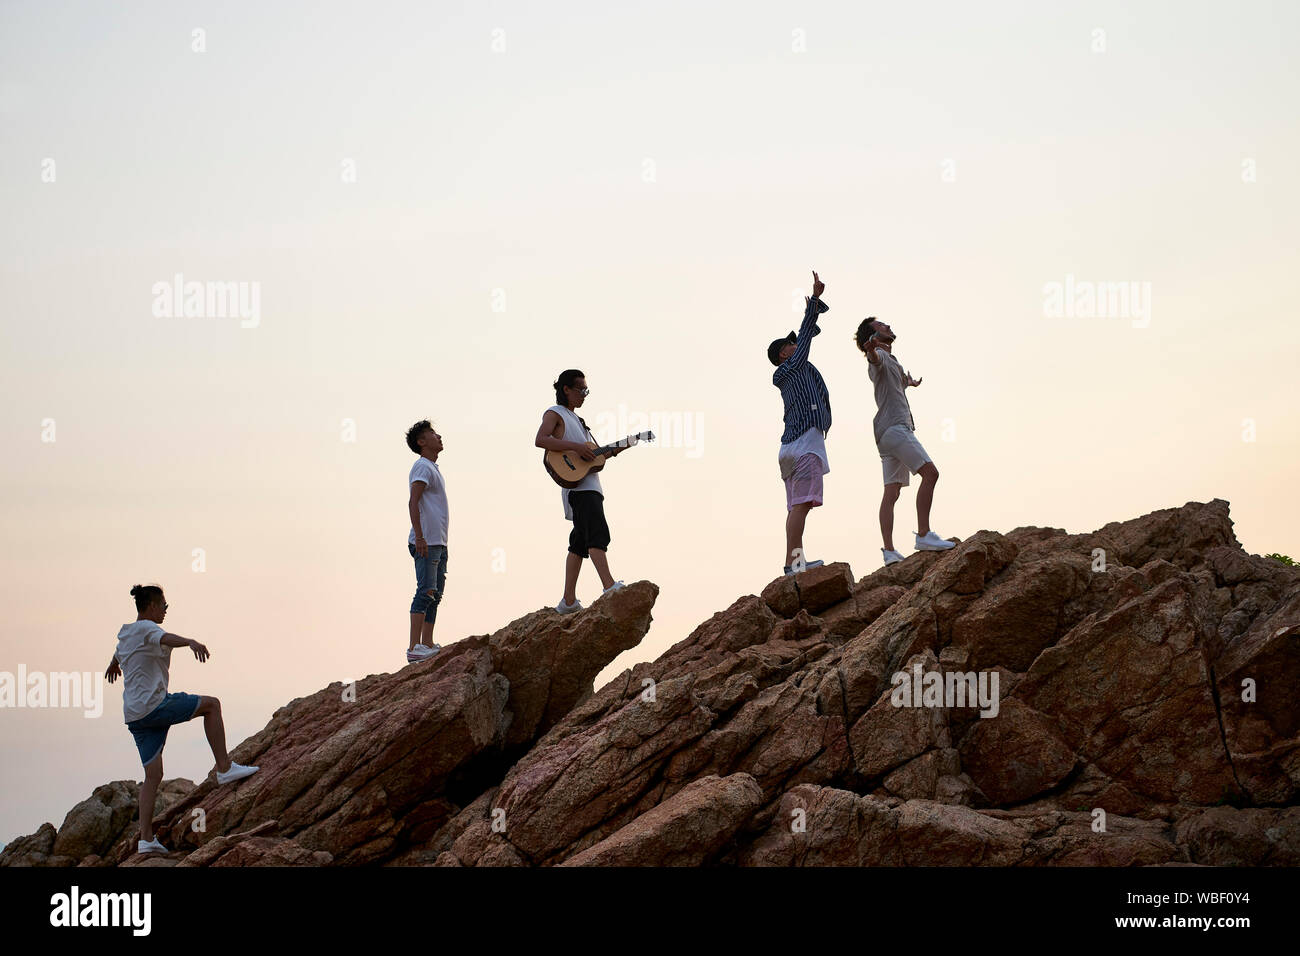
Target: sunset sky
(441,206)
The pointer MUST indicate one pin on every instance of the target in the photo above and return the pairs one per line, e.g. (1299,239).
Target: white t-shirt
(144,660)
(433,503)
(811,442)
(573,431)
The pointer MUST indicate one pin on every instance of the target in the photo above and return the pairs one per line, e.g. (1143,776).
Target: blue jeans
(430,579)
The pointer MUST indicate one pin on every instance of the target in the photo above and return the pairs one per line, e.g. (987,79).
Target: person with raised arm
(802,457)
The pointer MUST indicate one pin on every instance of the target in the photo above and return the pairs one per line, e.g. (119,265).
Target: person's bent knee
(929,472)
(153,770)
(208,705)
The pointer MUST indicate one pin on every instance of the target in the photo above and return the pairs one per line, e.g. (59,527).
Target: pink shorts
(805,484)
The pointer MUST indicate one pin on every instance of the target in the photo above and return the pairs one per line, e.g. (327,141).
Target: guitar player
(563,430)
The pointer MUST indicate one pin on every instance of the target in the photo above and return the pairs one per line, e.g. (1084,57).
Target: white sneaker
(422,652)
(789,569)
(568,608)
(150,846)
(613,587)
(891,557)
(237,771)
(932,542)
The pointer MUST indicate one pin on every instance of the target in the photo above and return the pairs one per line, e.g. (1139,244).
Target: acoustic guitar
(568,468)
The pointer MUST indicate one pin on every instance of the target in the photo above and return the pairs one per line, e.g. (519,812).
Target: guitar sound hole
(569,463)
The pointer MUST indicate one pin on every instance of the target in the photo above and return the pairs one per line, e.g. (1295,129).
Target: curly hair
(414,432)
(865,334)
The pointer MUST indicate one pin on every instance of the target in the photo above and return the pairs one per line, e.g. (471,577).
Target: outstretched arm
(175,640)
(813,307)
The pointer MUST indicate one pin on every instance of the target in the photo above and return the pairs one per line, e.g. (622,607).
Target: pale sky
(444,205)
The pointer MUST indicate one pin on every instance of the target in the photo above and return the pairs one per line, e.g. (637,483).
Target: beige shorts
(900,453)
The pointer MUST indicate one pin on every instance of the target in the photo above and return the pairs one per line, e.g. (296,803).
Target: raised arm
(803,339)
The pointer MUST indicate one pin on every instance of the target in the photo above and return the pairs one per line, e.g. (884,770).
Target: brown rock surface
(1144,715)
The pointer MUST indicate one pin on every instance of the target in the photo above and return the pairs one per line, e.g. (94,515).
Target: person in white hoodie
(895,433)
(144,653)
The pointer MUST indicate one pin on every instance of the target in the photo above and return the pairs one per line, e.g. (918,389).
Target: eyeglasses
(581,391)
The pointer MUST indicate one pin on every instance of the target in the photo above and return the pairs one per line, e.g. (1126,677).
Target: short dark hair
(414,433)
(145,594)
(566,380)
(866,332)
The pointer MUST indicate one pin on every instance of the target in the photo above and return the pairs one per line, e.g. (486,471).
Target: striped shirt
(807,403)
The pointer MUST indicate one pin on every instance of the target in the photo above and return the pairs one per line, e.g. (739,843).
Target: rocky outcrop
(1118,698)
(352,774)
(92,827)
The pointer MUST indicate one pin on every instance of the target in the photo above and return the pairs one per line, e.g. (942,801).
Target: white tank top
(573,431)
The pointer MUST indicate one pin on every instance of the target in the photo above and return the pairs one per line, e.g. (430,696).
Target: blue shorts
(150,731)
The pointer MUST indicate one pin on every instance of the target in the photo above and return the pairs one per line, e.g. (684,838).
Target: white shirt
(433,503)
(144,660)
(811,442)
(573,431)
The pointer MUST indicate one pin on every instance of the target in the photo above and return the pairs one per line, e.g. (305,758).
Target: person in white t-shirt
(426,507)
(144,653)
(563,430)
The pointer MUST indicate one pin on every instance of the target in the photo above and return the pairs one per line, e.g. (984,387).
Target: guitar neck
(627,442)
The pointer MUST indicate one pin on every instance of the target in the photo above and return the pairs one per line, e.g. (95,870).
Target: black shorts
(589,528)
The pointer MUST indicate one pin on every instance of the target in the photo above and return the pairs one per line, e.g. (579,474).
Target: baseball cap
(774,350)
